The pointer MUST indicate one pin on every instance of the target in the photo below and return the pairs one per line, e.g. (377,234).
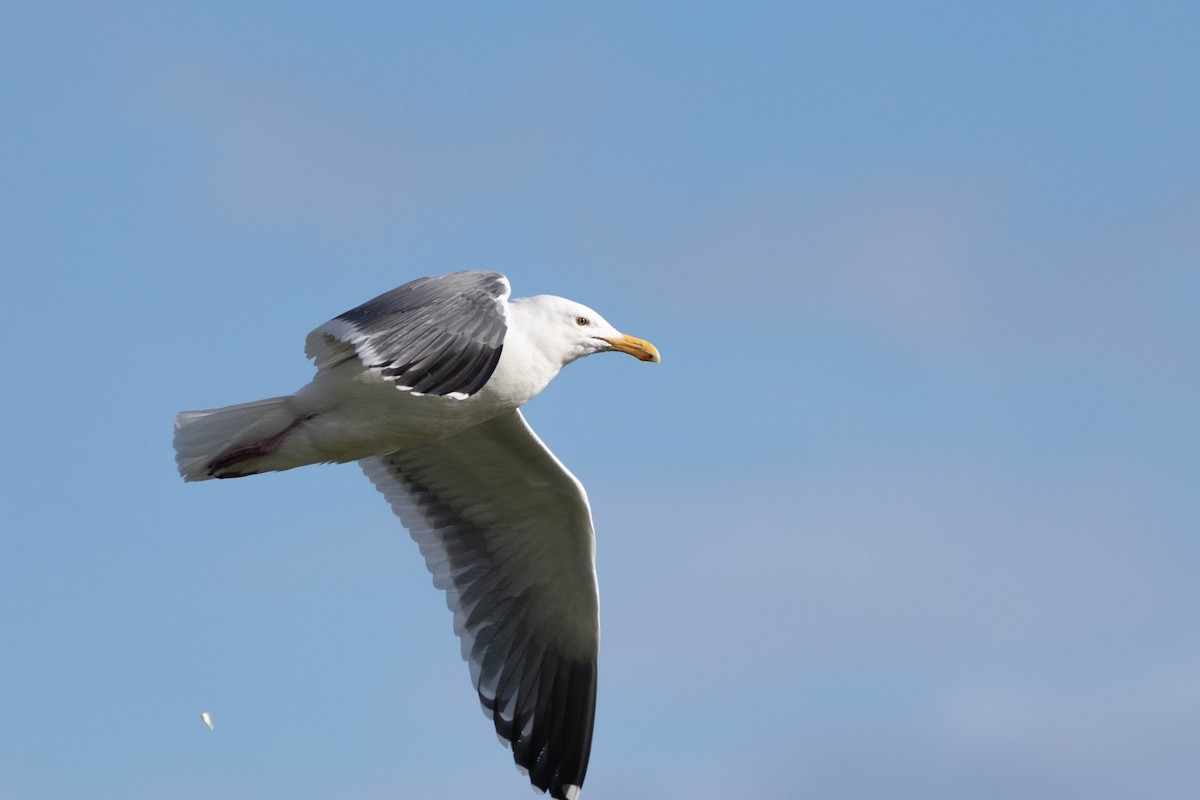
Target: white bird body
(422,386)
(349,411)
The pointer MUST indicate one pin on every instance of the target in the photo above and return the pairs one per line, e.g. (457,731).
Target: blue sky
(909,509)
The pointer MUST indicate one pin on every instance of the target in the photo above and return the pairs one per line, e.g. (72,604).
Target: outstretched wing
(507,533)
(440,335)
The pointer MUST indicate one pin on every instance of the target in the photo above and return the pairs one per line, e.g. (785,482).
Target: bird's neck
(529,362)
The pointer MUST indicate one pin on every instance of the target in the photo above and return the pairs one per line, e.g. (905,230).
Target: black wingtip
(556,750)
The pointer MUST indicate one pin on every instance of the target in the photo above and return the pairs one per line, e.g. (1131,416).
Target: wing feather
(506,532)
(441,335)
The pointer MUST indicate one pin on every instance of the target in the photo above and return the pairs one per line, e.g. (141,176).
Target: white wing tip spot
(572,792)
(451,395)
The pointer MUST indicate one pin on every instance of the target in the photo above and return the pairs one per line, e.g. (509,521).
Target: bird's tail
(221,442)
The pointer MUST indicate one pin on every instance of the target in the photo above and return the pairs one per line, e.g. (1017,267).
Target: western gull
(422,386)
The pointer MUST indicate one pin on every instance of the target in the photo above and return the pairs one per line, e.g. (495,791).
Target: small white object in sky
(207,719)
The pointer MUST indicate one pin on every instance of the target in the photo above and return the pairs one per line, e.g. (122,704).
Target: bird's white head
(570,330)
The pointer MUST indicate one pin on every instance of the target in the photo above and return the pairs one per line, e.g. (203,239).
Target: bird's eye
(581,321)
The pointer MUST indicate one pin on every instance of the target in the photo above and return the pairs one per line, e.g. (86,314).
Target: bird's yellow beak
(638,348)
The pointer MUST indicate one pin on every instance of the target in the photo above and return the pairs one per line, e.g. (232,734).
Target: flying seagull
(422,386)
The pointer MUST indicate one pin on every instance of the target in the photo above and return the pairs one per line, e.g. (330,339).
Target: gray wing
(507,533)
(440,335)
